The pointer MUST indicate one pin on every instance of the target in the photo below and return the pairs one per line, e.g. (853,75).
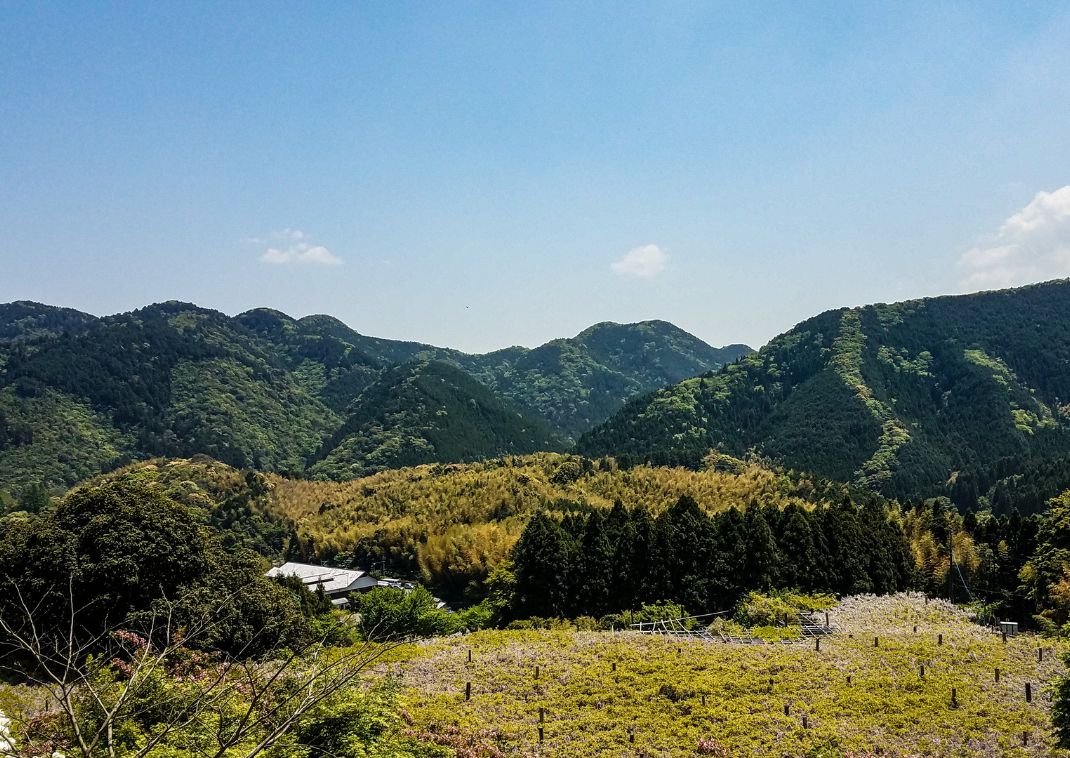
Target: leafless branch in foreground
(97,679)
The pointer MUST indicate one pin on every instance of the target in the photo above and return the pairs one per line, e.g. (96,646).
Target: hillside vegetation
(629,694)
(425,412)
(934,396)
(80,394)
(458,522)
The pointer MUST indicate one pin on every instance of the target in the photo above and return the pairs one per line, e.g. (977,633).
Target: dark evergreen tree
(801,567)
(878,540)
(596,568)
(622,534)
(761,559)
(729,557)
(540,563)
(648,573)
(688,530)
(843,535)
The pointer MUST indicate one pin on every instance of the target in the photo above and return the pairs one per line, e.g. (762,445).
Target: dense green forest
(595,564)
(424,412)
(80,394)
(904,399)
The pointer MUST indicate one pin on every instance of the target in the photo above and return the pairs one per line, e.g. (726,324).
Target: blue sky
(479,175)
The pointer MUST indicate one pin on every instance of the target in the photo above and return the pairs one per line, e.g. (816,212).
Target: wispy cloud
(647,262)
(292,246)
(1030,246)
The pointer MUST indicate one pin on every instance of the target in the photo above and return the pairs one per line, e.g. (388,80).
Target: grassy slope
(896,397)
(887,708)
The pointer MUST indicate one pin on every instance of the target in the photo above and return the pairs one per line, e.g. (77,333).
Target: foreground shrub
(387,613)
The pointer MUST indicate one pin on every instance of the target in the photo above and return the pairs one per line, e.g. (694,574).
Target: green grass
(657,688)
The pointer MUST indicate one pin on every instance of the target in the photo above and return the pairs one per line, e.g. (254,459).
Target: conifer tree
(690,533)
(801,568)
(647,560)
(729,554)
(762,559)
(843,533)
(621,531)
(540,564)
(596,572)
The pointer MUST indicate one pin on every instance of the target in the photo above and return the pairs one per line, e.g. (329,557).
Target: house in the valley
(338,583)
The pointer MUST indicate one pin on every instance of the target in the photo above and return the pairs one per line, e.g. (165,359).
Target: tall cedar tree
(540,563)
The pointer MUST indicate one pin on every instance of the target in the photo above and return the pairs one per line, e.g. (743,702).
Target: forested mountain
(171,379)
(572,384)
(954,395)
(81,394)
(579,382)
(423,412)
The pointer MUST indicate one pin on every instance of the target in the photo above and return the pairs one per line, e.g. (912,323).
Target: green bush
(387,613)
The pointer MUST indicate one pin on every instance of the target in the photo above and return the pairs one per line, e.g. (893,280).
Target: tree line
(595,564)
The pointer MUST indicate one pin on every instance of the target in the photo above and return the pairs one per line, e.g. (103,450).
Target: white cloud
(290,246)
(647,262)
(1032,245)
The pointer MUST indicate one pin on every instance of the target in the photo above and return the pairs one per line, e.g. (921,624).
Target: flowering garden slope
(627,694)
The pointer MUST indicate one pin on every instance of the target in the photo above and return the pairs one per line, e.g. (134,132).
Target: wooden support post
(542,715)
(876,642)
(468,691)
(1028,692)
(806,722)
(915,628)
(848,679)
(614,667)
(787,709)
(817,644)
(631,734)
(921,671)
(826,618)
(540,734)
(1004,638)
(703,699)
(954,698)
(997,676)
(536,671)
(1040,655)
(1025,739)
(469,655)
(940,639)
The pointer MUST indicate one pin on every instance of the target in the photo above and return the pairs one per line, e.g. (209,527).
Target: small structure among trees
(338,584)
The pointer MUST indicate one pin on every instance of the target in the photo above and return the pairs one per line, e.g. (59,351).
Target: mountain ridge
(80,394)
(900,397)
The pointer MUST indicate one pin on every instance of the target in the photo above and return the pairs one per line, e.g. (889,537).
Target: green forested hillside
(169,379)
(579,382)
(81,394)
(327,363)
(424,412)
(903,398)
(23,321)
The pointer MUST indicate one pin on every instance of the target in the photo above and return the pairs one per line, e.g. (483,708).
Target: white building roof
(333,579)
